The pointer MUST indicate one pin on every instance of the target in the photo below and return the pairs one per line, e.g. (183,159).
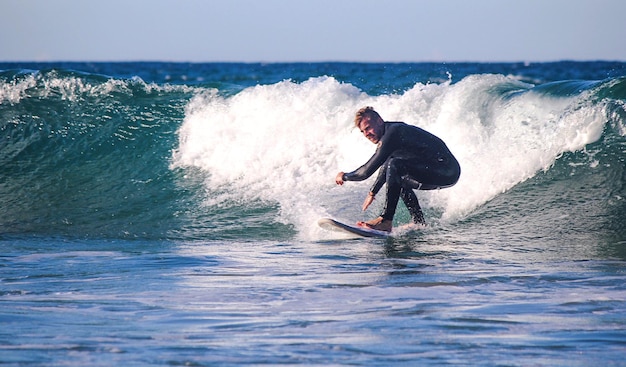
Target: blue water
(165,214)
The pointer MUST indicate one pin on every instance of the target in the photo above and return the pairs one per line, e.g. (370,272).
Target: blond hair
(365,113)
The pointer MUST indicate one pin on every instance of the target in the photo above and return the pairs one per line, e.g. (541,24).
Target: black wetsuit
(409,159)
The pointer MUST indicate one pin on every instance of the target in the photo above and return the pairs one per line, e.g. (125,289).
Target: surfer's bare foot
(378,224)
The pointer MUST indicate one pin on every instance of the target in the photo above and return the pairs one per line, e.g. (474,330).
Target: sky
(312,30)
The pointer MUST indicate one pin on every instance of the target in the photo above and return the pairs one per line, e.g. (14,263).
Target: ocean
(159,213)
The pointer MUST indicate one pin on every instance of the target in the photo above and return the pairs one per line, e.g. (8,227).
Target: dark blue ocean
(165,214)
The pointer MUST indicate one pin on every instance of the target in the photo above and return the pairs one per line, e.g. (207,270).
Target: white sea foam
(14,90)
(73,88)
(285,142)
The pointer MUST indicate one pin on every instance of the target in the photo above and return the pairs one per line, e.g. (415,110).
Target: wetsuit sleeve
(380,180)
(388,143)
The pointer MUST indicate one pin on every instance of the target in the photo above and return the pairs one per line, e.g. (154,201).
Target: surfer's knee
(395,170)
(410,183)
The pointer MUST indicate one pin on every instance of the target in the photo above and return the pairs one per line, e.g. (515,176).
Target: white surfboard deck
(335,225)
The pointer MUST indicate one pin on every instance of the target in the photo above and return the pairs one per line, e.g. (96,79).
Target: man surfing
(409,159)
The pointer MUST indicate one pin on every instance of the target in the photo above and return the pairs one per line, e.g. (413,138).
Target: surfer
(408,158)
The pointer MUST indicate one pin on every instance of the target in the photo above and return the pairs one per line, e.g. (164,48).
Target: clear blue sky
(312,30)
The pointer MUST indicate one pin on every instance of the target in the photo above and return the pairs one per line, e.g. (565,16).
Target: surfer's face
(372,129)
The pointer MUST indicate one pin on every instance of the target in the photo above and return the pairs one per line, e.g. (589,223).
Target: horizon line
(313,62)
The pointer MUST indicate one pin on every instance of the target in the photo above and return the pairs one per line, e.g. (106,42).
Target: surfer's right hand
(339,178)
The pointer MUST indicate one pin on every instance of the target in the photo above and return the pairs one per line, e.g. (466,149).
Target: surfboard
(335,225)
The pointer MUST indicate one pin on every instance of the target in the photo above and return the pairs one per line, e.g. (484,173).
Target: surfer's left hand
(368,200)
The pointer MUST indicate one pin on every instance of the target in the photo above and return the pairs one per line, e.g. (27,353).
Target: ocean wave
(86,154)
(91,155)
